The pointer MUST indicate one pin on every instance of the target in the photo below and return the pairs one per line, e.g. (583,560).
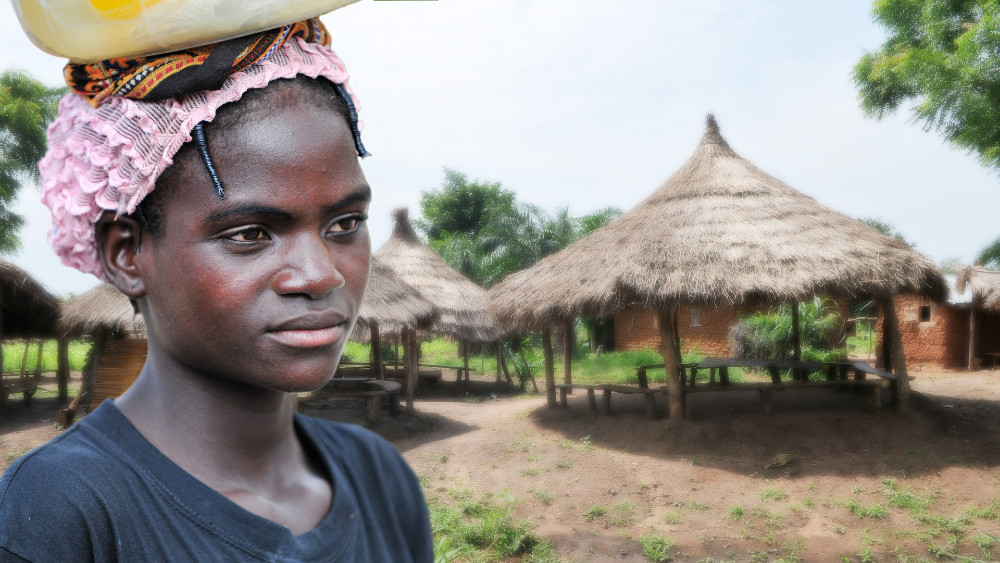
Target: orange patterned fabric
(197,69)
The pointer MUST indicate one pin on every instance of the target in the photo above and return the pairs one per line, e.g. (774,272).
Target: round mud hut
(718,232)
(30,313)
(461,304)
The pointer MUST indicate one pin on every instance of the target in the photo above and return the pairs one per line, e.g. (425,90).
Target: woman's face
(262,287)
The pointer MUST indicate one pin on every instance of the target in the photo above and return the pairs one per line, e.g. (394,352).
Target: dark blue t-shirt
(102,492)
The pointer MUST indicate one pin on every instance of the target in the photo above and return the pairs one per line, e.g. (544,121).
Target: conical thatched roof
(102,307)
(985,285)
(461,304)
(392,303)
(719,231)
(27,310)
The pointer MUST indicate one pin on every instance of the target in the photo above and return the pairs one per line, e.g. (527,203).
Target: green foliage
(769,335)
(481,230)
(862,511)
(594,512)
(989,256)
(773,494)
(26,108)
(656,548)
(735,512)
(885,228)
(941,56)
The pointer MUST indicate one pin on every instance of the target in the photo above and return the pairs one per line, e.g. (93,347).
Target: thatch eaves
(392,303)
(461,304)
(985,286)
(103,307)
(719,231)
(27,309)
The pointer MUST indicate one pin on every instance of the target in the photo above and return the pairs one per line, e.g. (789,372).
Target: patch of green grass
(588,444)
(772,494)
(623,514)
(735,512)
(862,511)
(673,517)
(563,464)
(529,472)
(480,529)
(13,352)
(657,548)
(695,505)
(594,512)
(544,497)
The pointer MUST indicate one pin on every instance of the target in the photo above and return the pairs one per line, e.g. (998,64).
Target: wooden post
(465,358)
(550,375)
(568,342)
(668,349)
(412,367)
(38,360)
(796,340)
(500,360)
(376,343)
(62,369)
(972,336)
(887,330)
(890,327)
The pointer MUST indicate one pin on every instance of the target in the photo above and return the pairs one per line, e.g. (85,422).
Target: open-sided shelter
(461,304)
(118,349)
(28,311)
(391,307)
(719,231)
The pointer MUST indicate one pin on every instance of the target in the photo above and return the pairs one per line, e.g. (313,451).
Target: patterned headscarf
(121,127)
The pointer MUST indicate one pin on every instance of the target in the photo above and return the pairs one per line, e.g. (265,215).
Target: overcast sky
(589,104)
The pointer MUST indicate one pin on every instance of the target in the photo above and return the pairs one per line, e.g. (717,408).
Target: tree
(989,256)
(26,108)
(462,207)
(944,57)
(886,229)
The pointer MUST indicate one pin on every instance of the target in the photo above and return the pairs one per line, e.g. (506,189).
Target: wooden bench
(873,389)
(565,388)
(371,390)
(11,385)
(650,395)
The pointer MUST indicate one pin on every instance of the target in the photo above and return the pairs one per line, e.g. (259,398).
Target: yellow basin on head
(104,29)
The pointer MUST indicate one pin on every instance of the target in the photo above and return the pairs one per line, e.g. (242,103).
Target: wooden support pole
(972,337)
(568,342)
(797,375)
(670,352)
(376,343)
(38,360)
(465,358)
(887,339)
(412,367)
(890,328)
(550,372)
(62,369)
(500,360)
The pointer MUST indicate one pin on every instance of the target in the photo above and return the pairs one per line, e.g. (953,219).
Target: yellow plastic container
(93,30)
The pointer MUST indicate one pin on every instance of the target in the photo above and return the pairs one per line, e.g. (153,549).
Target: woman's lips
(308,338)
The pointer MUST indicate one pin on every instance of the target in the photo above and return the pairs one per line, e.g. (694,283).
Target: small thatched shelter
(461,304)
(28,311)
(984,285)
(390,307)
(719,231)
(118,349)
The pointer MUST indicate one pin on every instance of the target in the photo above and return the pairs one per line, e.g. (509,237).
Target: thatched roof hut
(392,304)
(461,304)
(718,231)
(984,285)
(102,307)
(27,309)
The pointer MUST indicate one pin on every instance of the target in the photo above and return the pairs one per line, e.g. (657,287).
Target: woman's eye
(249,234)
(346,224)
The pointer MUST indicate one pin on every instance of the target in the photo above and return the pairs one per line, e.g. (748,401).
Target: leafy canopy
(26,108)
(944,57)
(481,229)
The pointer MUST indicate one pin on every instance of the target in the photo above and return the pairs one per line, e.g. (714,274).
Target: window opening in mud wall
(925,313)
(695,317)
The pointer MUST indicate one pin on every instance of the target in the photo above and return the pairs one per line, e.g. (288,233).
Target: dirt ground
(855,485)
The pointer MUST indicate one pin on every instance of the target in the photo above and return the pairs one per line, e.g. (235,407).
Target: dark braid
(300,90)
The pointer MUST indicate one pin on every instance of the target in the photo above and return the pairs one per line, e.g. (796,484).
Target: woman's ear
(119,241)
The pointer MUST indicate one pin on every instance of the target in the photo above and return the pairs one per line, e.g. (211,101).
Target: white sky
(591,104)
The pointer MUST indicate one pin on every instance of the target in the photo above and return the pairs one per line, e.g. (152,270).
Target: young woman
(234,218)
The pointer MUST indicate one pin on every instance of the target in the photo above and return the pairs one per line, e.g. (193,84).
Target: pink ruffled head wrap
(108,158)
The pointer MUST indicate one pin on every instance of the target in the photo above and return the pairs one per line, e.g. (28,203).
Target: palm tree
(26,108)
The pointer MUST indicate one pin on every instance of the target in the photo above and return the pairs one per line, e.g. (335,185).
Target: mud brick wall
(636,329)
(942,341)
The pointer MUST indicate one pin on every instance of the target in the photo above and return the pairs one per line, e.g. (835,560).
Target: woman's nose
(308,268)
